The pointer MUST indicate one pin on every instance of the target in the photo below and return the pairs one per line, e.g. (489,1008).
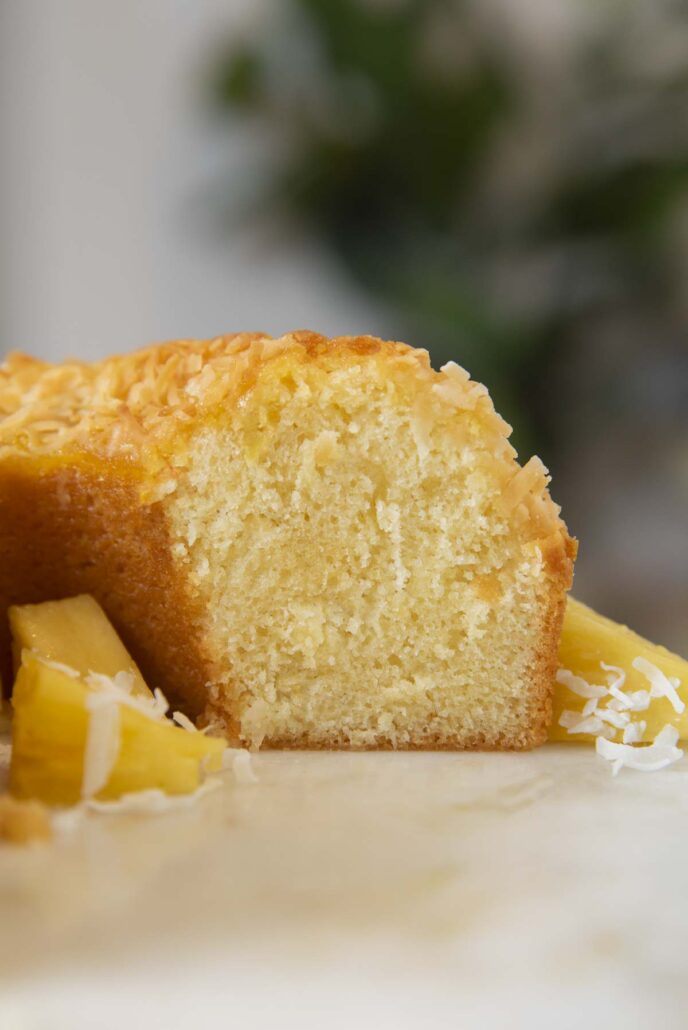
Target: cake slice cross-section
(309,543)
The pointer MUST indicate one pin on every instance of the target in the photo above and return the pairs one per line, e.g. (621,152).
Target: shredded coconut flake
(577,685)
(118,689)
(633,733)
(184,721)
(238,760)
(103,702)
(616,680)
(143,802)
(618,706)
(102,747)
(160,702)
(660,685)
(667,735)
(640,700)
(152,802)
(618,719)
(658,755)
(574,723)
(59,666)
(122,681)
(602,721)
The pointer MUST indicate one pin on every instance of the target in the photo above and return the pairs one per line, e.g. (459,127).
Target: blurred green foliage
(502,200)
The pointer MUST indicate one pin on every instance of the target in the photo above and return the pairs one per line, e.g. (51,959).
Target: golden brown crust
(559,553)
(71,531)
(445,743)
(89,451)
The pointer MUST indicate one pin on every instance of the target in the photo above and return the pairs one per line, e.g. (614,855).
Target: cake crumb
(23,822)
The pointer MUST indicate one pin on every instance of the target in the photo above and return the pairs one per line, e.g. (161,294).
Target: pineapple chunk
(74,632)
(52,723)
(589,639)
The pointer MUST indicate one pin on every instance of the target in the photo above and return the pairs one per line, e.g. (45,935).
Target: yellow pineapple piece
(59,743)
(74,632)
(589,639)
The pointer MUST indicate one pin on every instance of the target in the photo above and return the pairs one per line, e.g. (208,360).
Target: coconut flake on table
(141,802)
(657,755)
(153,801)
(238,760)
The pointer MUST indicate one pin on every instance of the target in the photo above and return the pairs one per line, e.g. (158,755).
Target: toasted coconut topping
(138,408)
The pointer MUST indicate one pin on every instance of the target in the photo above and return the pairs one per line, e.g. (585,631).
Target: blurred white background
(108,156)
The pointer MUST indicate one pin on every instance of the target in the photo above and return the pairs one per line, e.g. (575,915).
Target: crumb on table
(22,822)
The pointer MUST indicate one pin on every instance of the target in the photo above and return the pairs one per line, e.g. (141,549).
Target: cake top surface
(52,406)
(138,409)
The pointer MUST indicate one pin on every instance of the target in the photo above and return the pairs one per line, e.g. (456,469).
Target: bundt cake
(312,543)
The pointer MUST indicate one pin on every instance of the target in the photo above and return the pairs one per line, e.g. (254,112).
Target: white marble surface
(372,890)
